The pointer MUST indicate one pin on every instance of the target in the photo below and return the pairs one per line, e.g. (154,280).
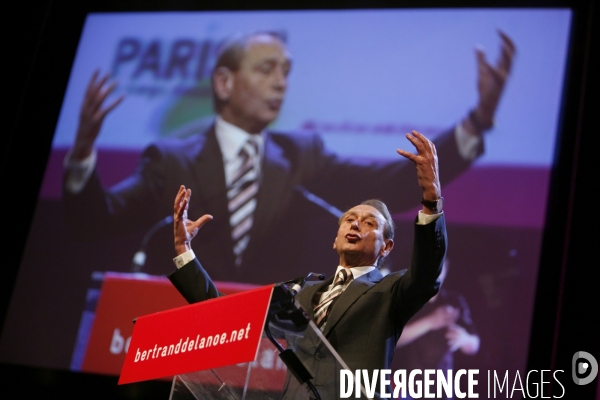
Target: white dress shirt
(231,139)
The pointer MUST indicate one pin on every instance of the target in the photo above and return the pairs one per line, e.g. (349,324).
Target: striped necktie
(242,199)
(322,310)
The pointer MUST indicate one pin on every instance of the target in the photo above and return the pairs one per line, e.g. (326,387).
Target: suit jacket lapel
(306,296)
(306,300)
(356,288)
(210,173)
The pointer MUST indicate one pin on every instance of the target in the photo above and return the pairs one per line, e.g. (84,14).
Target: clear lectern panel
(294,361)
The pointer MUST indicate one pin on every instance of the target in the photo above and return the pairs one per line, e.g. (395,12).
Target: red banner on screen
(124,297)
(206,335)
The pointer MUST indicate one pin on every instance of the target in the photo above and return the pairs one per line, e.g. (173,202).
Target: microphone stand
(298,283)
(283,308)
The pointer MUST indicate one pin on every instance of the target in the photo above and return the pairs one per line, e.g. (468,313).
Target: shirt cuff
(78,172)
(424,219)
(468,145)
(184,258)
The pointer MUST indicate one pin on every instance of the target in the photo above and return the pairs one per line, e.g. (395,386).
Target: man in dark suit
(363,313)
(253,206)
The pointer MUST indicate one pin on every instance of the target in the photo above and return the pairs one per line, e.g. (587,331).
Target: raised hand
(426,161)
(185,230)
(442,317)
(92,114)
(490,85)
(459,338)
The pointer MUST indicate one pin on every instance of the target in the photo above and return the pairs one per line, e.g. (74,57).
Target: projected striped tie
(242,199)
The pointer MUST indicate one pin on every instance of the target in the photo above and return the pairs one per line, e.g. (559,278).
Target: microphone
(139,258)
(298,283)
(313,198)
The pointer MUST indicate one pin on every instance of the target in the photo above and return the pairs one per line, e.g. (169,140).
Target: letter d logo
(580,367)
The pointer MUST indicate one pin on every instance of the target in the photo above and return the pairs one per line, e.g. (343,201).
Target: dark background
(39,46)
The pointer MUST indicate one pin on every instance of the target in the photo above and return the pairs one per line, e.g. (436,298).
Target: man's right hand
(92,114)
(426,161)
(184,229)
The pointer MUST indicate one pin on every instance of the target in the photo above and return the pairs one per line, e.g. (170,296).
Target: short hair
(231,52)
(380,206)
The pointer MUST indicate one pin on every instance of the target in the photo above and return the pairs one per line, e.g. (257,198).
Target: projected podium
(257,344)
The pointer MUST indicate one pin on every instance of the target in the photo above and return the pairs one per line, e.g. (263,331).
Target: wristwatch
(434,205)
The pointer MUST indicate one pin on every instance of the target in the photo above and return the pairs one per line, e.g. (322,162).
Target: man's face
(258,87)
(360,239)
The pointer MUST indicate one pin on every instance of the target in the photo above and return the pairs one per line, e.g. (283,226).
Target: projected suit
(249,83)
(290,160)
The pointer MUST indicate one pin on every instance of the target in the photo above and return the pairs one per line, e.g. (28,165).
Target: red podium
(234,347)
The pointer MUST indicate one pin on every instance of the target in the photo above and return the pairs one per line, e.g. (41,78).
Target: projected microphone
(139,258)
(313,198)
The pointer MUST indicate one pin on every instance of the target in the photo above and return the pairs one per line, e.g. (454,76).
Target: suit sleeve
(138,201)
(394,181)
(421,282)
(193,282)
(131,205)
